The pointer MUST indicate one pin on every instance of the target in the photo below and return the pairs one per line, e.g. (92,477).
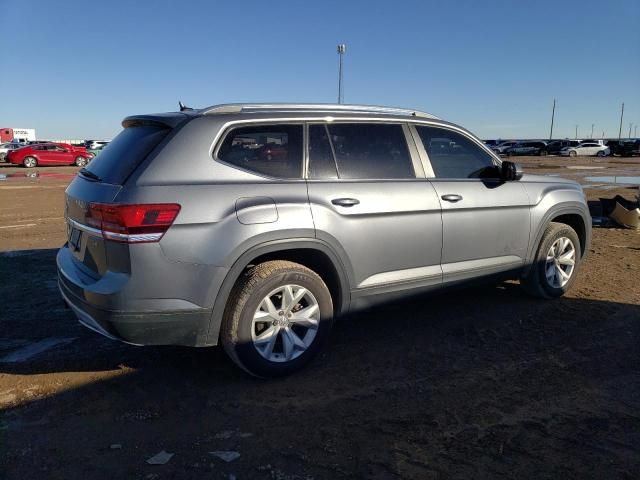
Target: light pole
(342,48)
(635,131)
(621,115)
(630,125)
(553,113)
(592,125)
(577,131)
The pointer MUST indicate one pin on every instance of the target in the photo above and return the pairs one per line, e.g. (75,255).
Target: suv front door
(369,198)
(485,221)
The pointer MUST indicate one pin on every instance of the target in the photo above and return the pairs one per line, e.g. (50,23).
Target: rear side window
(116,162)
(453,155)
(272,150)
(361,151)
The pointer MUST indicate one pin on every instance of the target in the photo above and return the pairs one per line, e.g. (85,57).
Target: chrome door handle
(345,202)
(451,197)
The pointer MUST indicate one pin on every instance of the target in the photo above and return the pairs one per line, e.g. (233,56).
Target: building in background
(22,135)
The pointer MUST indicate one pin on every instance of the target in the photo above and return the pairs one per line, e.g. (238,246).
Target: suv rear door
(369,198)
(485,221)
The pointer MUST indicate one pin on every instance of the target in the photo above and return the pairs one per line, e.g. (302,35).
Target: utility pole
(577,131)
(602,135)
(553,113)
(630,125)
(621,115)
(635,131)
(592,125)
(342,48)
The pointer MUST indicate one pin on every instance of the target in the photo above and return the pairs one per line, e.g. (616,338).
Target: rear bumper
(169,326)
(188,328)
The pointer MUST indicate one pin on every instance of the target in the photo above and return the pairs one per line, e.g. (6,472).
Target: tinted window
(321,161)
(453,155)
(273,150)
(116,162)
(368,151)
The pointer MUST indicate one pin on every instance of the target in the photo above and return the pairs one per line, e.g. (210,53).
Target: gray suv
(256,226)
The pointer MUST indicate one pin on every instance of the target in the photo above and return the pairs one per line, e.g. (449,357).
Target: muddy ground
(476,383)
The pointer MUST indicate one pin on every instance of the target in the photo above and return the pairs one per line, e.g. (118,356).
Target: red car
(49,154)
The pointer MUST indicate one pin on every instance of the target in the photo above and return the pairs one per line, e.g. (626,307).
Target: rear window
(121,156)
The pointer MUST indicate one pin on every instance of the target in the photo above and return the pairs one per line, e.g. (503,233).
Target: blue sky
(495,67)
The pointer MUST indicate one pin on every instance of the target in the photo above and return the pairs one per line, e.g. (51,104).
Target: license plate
(74,238)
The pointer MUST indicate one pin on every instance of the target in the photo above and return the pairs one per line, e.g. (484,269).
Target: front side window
(360,151)
(272,150)
(453,155)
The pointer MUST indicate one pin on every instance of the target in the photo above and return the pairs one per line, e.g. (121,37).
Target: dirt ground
(476,383)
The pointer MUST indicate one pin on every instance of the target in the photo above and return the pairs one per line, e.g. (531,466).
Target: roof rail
(302,107)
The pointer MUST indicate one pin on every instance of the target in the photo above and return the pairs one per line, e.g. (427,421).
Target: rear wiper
(89,174)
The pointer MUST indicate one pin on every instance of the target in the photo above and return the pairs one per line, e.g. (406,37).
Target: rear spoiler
(167,120)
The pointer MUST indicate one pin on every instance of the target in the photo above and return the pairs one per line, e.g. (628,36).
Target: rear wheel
(555,264)
(29,162)
(278,316)
(80,161)
(2,156)
(601,153)
(573,153)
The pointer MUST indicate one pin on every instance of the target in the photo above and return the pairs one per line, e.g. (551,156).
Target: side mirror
(510,171)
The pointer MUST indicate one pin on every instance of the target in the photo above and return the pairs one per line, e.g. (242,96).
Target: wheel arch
(312,253)
(573,214)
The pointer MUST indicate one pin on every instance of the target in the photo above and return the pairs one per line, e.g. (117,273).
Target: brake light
(140,223)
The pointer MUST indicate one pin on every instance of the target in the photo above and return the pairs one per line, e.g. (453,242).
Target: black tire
(543,153)
(80,161)
(601,153)
(535,281)
(29,162)
(246,297)
(573,154)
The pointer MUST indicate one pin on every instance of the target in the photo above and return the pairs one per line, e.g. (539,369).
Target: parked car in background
(526,148)
(492,143)
(555,147)
(624,148)
(502,147)
(95,144)
(8,147)
(49,154)
(97,150)
(261,252)
(586,149)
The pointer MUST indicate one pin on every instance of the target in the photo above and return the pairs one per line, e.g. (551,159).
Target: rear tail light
(141,223)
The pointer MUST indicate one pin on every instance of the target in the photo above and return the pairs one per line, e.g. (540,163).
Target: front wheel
(278,315)
(601,153)
(80,161)
(572,153)
(555,264)
(29,162)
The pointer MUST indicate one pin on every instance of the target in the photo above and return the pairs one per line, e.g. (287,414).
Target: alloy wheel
(561,261)
(285,323)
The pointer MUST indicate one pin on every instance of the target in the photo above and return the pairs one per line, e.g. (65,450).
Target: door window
(453,155)
(361,151)
(272,150)
(321,161)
